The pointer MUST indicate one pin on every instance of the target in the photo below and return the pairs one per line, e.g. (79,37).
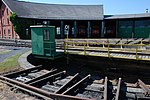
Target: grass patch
(10,63)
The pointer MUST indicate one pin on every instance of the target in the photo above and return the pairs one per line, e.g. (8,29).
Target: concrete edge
(23,61)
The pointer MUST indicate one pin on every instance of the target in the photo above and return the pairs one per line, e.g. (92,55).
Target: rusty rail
(75,85)
(38,92)
(47,78)
(105,88)
(144,87)
(10,75)
(65,86)
(118,89)
(43,76)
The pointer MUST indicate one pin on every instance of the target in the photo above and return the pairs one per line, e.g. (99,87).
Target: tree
(20,25)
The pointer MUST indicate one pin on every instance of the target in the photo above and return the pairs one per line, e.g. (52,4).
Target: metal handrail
(85,46)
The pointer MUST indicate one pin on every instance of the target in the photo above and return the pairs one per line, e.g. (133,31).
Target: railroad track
(26,43)
(16,43)
(54,84)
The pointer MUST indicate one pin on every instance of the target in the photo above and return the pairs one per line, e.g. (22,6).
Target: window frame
(46,34)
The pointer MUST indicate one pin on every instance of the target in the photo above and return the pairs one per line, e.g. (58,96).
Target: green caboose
(43,42)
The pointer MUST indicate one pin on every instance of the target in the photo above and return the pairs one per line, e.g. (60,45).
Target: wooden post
(65,47)
(73,43)
(75,29)
(87,43)
(84,49)
(89,29)
(105,88)
(136,52)
(103,44)
(62,29)
(121,44)
(141,47)
(108,50)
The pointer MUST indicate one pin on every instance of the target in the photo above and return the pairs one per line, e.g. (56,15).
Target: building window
(7,12)
(2,12)
(46,35)
(9,32)
(4,33)
(142,23)
(27,32)
(58,30)
(0,34)
(8,21)
(126,24)
(9,35)
(3,21)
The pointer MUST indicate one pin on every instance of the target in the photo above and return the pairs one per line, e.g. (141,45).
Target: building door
(81,32)
(110,29)
(95,31)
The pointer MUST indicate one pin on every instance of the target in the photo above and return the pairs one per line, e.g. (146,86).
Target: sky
(110,6)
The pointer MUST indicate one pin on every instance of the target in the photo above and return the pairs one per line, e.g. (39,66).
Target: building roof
(127,16)
(55,11)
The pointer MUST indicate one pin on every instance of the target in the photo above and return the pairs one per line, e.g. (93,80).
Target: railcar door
(49,41)
(37,41)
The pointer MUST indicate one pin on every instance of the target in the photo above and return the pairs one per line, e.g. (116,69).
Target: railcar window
(46,35)
(126,24)
(142,23)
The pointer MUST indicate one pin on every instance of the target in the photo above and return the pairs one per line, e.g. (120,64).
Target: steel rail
(118,89)
(25,89)
(105,88)
(65,86)
(42,76)
(11,75)
(144,87)
(37,91)
(47,78)
(75,85)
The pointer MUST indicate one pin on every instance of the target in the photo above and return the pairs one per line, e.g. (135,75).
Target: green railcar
(43,42)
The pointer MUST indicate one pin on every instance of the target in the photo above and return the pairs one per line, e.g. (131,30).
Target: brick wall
(6,28)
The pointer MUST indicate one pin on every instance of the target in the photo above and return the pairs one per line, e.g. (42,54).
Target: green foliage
(20,25)
(10,63)
(12,18)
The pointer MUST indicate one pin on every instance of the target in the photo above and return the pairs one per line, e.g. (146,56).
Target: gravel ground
(14,51)
(8,93)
